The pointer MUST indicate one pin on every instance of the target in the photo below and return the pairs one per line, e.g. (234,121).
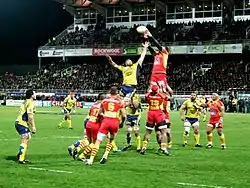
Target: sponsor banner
(214,49)
(195,49)
(139,50)
(78,52)
(65,52)
(60,103)
(10,102)
(233,48)
(50,53)
(130,51)
(178,49)
(87,104)
(107,51)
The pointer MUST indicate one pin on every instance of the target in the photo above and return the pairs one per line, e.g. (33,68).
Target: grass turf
(187,167)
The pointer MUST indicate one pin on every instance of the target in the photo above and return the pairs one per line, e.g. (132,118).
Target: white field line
(69,172)
(199,185)
(48,170)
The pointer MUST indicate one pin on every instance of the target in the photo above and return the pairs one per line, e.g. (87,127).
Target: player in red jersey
(159,75)
(92,127)
(111,108)
(166,110)
(217,110)
(156,117)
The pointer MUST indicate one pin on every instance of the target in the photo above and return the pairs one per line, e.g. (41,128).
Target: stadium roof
(71,5)
(85,3)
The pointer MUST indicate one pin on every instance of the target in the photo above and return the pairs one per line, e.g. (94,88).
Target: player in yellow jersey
(68,106)
(191,119)
(76,144)
(130,73)
(25,124)
(202,101)
(133,111)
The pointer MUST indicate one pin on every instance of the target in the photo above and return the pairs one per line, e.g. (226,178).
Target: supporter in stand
(186,73)
(194,32)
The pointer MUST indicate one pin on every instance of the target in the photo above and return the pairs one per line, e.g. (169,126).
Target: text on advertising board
(107,51)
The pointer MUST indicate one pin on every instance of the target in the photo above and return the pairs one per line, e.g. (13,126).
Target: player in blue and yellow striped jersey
(192,111)
(133,111)
(130,73)
(68,106)
(202,102)
(25,124)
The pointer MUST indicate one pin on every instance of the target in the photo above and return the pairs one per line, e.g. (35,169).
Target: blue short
(133,120)
(127,91)
(85,123)
(67,111)
(192,120)
(21,129)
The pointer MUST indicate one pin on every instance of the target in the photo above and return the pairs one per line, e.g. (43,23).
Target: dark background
(26,25)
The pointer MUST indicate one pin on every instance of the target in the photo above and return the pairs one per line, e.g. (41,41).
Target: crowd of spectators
(195,32)
(184,74)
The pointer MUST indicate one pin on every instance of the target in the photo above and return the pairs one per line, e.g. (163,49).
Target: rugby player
(159,75)
(111,108)
(68,106)
(83,142)
(155,117)
(202,101)
(191,119)
(133,110)
(92,127)
(25,123)
(130,72)
(166,110)
(217,110)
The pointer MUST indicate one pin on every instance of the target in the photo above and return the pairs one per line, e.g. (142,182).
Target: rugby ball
(141,29)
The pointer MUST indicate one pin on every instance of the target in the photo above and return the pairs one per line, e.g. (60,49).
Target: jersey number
(95,112)
(111,106)
(154,103)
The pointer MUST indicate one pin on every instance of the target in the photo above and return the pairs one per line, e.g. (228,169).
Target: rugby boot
(198,146)
(209,146)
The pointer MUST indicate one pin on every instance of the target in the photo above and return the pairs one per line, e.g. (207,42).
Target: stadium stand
(185,73)
(171,33)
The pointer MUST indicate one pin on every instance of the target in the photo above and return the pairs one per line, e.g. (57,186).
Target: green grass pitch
(187,167)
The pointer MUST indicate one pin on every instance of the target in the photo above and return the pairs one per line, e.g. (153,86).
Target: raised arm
(111,62)
(144,52)
(156,43)
(151,50)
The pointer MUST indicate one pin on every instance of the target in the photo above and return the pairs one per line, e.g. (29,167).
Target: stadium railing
(94,92)
(177,43)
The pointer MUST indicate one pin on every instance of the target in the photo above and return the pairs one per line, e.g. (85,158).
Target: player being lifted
(25,123)
(130,72)
(158,76)
(68,106)
(111,108)
(217,110)
(155,117)
(191,119)
(133,110)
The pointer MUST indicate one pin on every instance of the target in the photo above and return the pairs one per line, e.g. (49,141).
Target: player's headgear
(154,88)
(113,90)
(101,96)
(29,93)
